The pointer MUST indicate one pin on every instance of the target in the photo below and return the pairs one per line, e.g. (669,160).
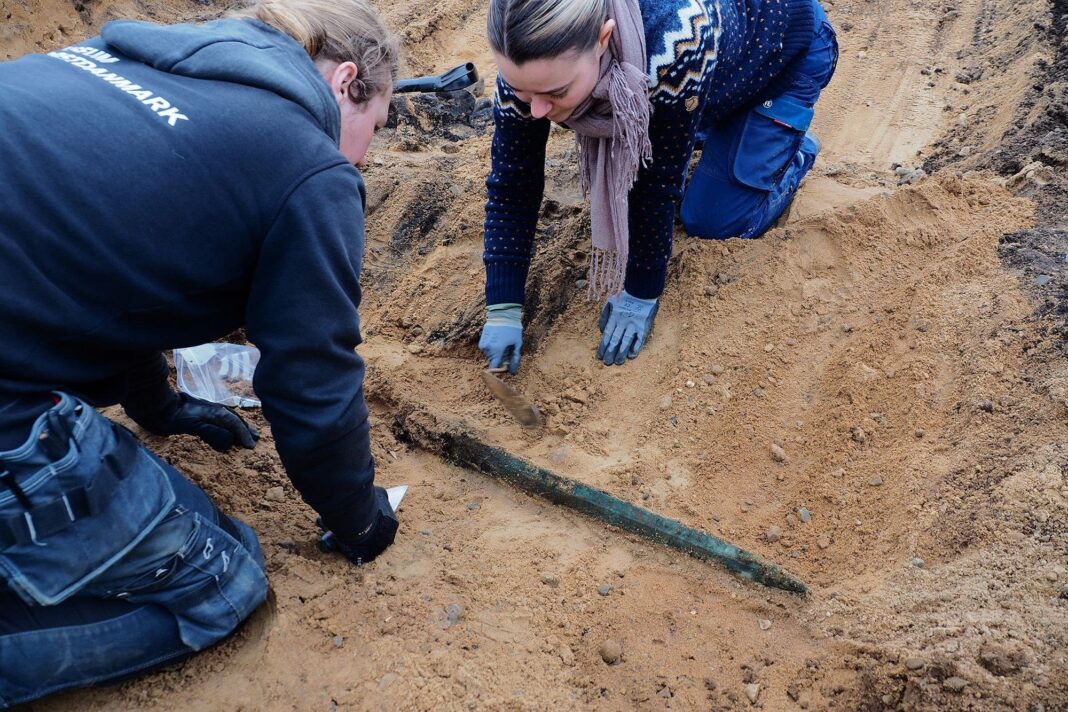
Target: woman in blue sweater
(640,82)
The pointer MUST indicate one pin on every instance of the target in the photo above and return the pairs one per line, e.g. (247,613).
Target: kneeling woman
(640,81)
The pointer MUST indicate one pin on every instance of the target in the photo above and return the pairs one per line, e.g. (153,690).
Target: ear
(605,35)
(340,79)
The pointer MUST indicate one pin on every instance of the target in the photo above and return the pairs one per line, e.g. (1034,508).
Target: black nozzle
(456,78)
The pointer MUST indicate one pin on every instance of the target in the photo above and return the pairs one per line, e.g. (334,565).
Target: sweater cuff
(645,283)
(506,282)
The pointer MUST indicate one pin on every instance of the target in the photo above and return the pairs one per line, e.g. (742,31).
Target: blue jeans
(111,562)
(753,161)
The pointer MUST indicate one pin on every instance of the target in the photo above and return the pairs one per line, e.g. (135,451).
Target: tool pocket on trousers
(89,494)
(768,141)
(210,584)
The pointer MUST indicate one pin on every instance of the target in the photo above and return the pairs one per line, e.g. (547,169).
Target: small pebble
(777,453)
(752,691)
(917,562)
(473,506)
(1051,575)
(550,580)
(338,641)
(875,480)
(604,589)
(913,663)
(665,691)
(1042,280)
(986,406)
(861,54)
(804,515)
(453,613)
(581,283)
(717,370)
(415,347)
(920,433)
(690,384)
(773,534)
(764,623)
(823,542)
(665,403)
(954,684)
(276,494)
(611,651)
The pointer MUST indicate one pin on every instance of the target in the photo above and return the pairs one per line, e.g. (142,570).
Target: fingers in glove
(639,341)
(602,322)
(241,432)
(513,365)
(614,341)
(218,438)
(625,346)
(495,356)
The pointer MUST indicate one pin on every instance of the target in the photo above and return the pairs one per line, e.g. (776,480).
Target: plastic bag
(218,372)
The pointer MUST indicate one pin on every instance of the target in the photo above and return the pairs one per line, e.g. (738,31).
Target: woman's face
(554,87)
(359,122)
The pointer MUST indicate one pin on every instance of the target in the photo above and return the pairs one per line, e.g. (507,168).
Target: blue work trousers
(752,162)
(111,562)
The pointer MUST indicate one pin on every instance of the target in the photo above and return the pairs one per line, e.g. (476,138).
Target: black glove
(372,541)
(215,424)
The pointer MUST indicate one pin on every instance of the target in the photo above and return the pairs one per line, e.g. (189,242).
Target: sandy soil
(900,336)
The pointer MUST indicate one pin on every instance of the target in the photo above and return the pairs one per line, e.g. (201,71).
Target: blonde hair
(523,30)
(337,30)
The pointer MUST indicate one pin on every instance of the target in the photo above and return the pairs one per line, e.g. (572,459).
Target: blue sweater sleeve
(683,68)
(515,187)
(302,314)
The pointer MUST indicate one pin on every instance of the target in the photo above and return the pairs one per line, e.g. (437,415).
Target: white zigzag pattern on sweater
(672,39)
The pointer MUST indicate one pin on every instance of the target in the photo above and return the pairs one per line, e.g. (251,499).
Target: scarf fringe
(608,270)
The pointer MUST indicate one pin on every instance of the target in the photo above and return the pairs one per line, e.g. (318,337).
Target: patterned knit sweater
(708,58)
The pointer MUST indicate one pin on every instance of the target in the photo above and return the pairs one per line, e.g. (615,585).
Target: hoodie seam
(323,106)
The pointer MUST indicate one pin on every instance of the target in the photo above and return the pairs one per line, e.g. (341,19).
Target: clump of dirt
(872,395)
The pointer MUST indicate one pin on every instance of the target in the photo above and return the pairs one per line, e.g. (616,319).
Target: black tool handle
(459,77)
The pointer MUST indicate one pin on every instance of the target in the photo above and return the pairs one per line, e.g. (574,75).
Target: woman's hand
(625,324)
(502,336)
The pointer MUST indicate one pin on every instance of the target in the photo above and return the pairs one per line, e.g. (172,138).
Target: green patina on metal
(467,450)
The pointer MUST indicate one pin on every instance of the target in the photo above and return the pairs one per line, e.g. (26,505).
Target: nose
(540,108)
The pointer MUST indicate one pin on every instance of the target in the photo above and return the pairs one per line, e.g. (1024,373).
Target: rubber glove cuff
(505,315)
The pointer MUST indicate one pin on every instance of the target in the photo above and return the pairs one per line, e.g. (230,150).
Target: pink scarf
(612,131)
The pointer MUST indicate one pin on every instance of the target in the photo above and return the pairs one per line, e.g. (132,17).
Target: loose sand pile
(898,340)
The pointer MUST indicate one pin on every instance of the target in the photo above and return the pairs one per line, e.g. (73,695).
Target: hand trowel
(513,401)
(395,495)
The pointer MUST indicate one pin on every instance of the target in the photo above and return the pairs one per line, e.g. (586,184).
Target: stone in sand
(611,651)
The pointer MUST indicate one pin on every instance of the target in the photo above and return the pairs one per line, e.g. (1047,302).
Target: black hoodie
(161,186)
